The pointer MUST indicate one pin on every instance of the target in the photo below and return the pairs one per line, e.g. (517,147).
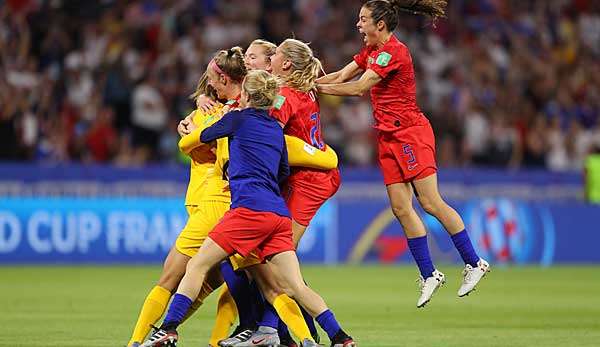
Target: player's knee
(431,206)
(171,277)
(197,265)
(294,289)
(402,211)
(271,293)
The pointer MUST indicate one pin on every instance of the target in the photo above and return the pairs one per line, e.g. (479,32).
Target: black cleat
(162,338)
(341,339)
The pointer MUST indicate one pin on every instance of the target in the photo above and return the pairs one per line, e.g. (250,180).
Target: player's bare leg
(401,201)
(267,332)
(287,272)
(298,231)
(173,270)
(432,202)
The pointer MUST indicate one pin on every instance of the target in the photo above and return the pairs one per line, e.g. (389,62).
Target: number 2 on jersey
(315,131)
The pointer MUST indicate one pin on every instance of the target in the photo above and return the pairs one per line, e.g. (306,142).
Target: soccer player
(258,55)
(207,200)
(259,219)
(405,137)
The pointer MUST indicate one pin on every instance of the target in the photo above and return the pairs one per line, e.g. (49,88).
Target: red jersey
(394,97)
(300,114)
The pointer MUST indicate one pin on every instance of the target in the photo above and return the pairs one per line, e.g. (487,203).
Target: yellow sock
(154,307)
(226,314)
(301,153)
(290,314)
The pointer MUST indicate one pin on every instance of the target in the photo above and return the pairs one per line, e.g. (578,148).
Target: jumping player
(405,138)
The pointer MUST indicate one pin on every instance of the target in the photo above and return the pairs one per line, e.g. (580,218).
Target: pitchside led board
(65,230)
(142,230)
(101,214)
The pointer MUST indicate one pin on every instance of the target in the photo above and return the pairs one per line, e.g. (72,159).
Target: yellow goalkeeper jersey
(217,184)
(202,156)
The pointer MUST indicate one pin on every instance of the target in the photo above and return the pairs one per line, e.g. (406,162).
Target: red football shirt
(299,112)
(394,97)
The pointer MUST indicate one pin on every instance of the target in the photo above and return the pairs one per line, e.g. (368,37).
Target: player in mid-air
(259,219)
(406,143)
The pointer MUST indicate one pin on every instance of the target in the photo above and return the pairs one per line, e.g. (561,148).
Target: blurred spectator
(505,83)
(149,117)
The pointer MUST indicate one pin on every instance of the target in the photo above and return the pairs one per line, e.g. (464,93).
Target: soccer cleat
(162,338)
(341,339)
(309,343)
(472,276)
(235,338)
(264,336)
(429,286)
(135,344)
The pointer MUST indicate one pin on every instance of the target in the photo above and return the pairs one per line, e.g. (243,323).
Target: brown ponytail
(389,10)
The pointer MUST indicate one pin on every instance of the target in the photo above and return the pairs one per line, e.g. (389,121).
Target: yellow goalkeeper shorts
(201,221)
(239,263)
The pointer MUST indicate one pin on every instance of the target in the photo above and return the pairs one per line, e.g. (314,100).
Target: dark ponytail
(389,10)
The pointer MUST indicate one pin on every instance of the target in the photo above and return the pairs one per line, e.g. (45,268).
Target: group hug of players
(260,171)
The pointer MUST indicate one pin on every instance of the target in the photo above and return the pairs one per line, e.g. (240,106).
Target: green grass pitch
(513,307)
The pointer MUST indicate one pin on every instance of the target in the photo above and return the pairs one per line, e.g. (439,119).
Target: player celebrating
(297,108)
(405,137)
(205,208)
(259,219)
(258,55)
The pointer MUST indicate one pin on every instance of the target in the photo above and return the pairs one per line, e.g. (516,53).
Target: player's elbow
(360,90)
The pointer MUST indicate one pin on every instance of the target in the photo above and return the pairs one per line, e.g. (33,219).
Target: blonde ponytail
(305,67)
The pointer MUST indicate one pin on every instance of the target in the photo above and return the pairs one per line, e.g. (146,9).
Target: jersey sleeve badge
(279,101)
(383,59)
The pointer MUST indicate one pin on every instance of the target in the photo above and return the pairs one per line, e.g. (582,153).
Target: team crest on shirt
(383,59)
(279,101)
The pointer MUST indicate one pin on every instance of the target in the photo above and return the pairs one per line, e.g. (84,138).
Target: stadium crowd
(505,83)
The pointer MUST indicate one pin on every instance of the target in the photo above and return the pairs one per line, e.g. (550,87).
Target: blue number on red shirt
(315,132)
(411,156)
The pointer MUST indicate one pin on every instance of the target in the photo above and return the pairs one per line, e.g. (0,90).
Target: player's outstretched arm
(196,122)
(302,154)
(353,88)
(224,127)
(347,73)
(191,141)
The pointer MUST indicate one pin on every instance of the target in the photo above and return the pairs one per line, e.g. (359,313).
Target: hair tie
(213,65)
